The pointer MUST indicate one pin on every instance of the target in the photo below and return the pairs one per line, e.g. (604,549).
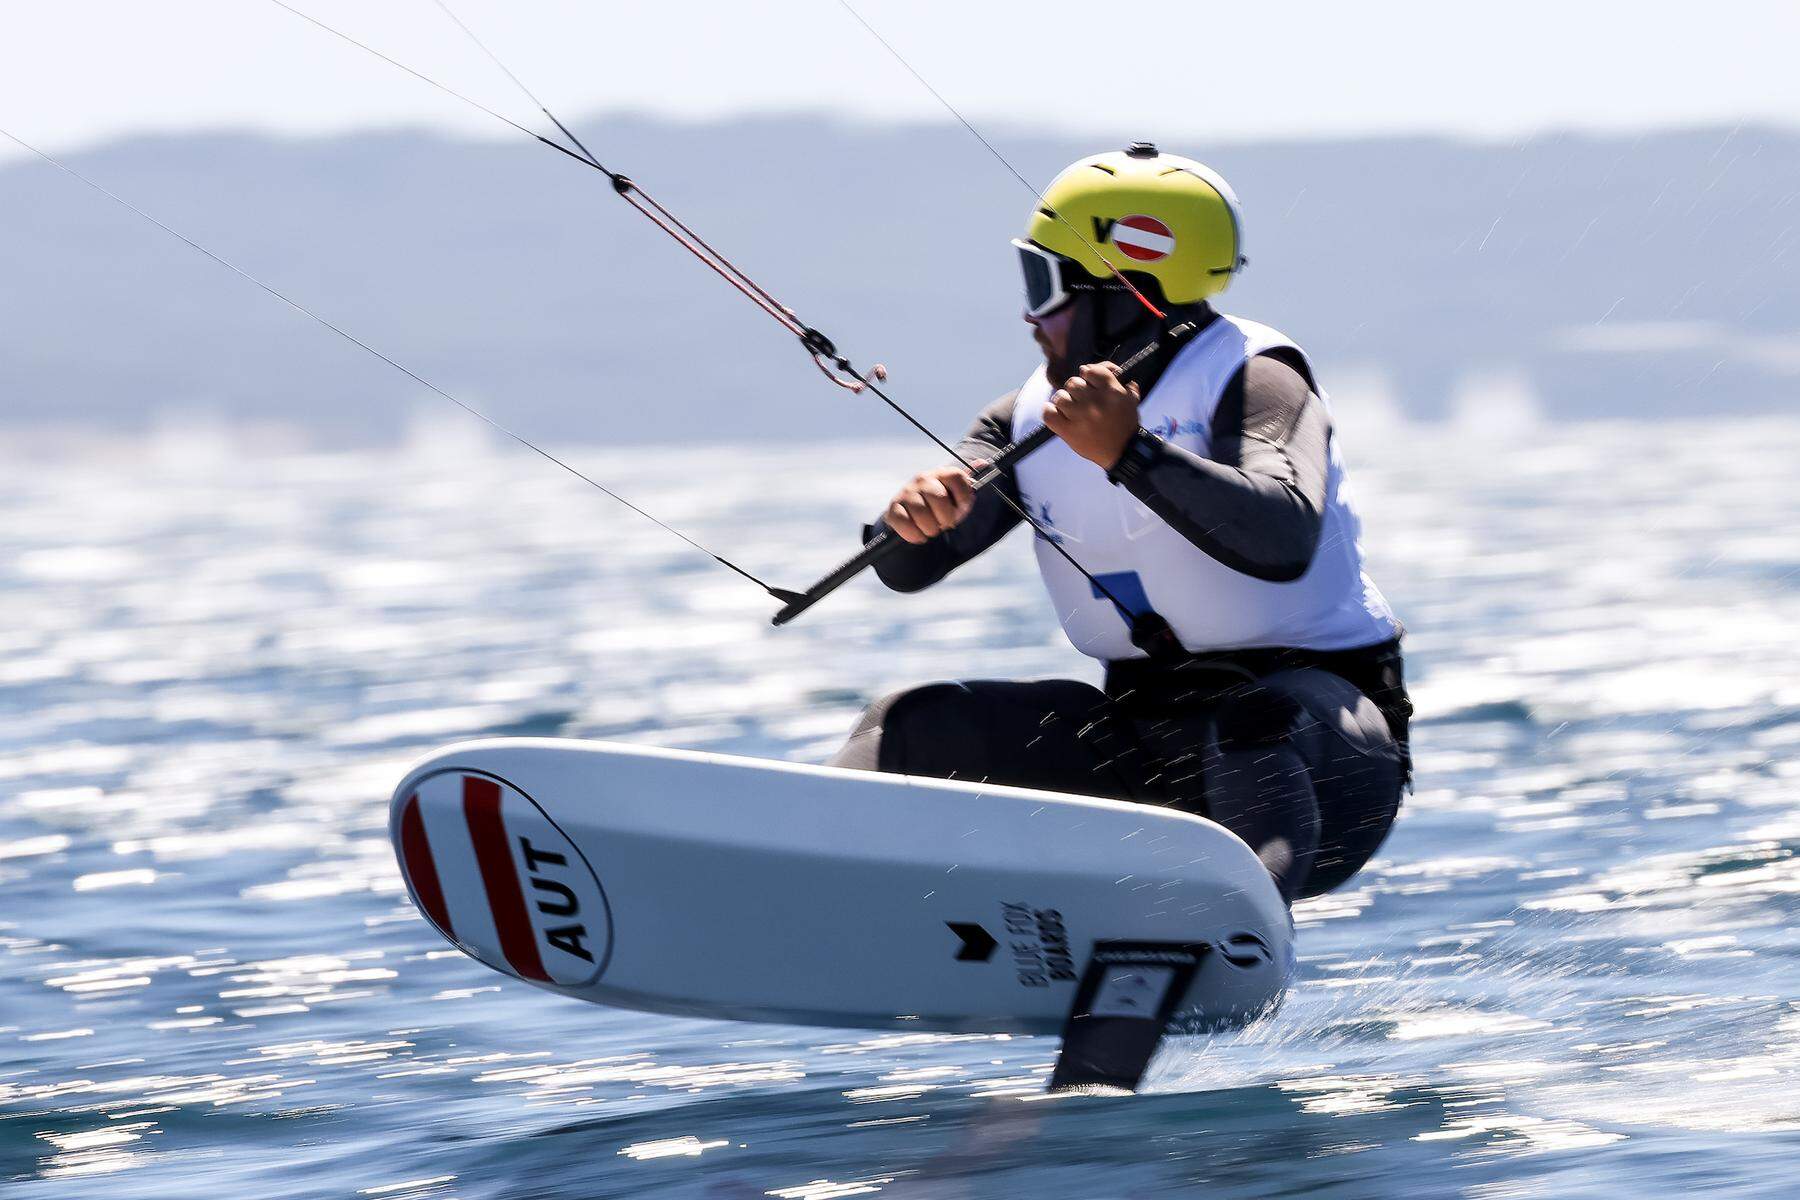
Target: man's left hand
(1096,412)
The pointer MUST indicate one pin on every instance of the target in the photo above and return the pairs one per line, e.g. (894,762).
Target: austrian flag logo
(1142,238)
(497,877)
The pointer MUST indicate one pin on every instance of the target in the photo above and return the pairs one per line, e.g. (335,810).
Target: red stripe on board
(421,868)
(518,941)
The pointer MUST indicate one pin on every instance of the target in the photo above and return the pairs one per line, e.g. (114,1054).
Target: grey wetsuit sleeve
(1258,503)
(914,567)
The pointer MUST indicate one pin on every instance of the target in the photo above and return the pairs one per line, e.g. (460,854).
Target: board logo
(976,943)
(1039,942)
(497,877)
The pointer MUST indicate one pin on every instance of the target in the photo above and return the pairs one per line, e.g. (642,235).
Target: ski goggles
(1052,280)
(1045,290)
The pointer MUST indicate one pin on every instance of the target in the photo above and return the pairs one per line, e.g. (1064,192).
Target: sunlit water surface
(1572,971)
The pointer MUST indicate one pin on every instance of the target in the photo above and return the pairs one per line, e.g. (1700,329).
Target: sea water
(1572,970)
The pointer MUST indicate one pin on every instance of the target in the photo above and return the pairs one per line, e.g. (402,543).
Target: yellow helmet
(1148,213)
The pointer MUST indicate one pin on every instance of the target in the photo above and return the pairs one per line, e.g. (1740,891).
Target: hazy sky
(74,71)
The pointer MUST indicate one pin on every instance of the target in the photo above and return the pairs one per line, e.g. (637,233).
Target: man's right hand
(931,502)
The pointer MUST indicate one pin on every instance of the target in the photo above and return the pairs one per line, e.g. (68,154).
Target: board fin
(1127,995)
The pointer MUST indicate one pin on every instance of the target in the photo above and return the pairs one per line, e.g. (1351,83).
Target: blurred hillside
(1653,275)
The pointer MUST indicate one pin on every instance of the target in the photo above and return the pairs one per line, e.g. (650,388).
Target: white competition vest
(1145,562)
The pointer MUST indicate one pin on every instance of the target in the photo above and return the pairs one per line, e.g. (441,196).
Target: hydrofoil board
(713,886)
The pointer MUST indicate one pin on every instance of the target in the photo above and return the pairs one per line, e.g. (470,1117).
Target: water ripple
(1570,971)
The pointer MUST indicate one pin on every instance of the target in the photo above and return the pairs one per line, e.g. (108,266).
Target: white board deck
(715,886)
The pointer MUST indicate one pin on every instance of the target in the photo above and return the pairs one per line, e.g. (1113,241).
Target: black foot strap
(1124,1001)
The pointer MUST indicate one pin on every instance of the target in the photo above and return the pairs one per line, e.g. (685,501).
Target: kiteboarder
(1192,517)
(1196,533)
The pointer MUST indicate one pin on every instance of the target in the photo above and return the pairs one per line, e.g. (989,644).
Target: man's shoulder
(1233,350)
(1256,334)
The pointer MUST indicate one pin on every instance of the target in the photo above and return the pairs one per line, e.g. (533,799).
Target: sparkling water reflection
(1571,972)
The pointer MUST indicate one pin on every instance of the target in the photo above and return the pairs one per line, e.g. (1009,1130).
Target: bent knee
(1329,706)
(1356,814)
(880,733)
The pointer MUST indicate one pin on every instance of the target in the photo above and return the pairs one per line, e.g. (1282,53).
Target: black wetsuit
(1303,754)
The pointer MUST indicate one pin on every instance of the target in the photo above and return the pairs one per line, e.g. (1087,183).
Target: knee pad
(1049,734)
(878,740)
(879,712)
(917,722)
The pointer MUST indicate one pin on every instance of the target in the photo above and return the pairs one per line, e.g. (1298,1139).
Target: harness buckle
(1156,637)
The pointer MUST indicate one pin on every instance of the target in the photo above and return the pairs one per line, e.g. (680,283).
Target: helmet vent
(1103,167)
